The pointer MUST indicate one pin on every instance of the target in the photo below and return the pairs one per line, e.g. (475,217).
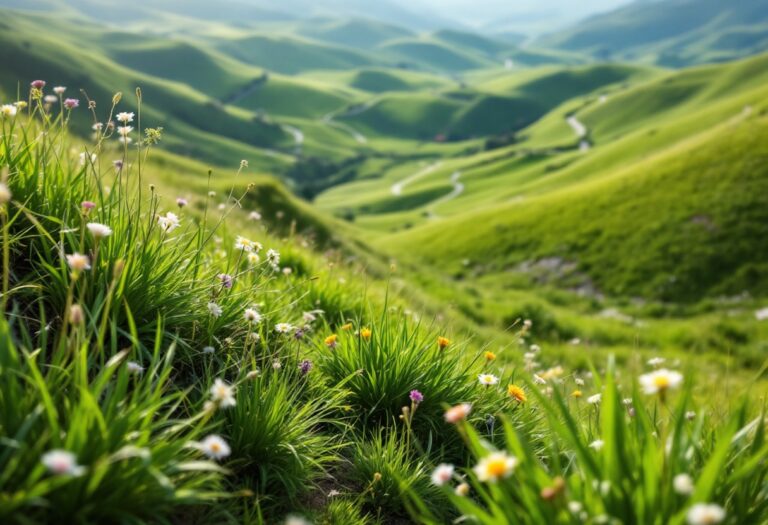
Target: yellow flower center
(497,467)
(661,382)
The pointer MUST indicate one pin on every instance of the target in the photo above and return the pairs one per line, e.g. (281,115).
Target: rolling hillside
(671,33)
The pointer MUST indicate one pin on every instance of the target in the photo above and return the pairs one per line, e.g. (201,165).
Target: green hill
(432,55)
(354,33)
(672,33)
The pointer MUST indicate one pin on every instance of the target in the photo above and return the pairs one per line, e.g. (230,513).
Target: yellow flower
(495,466)
(517,393)
(346,327)
(365,333)
(331,341)
(576,393)
(490,356)
(552,373)
(443,342)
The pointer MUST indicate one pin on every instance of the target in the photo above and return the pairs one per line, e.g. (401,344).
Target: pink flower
(416,396)
(71,103)
(38,84)
(88,205)
(181,202)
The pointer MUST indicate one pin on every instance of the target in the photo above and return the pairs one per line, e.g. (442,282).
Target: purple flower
(181,202)
(37,84)
(88,205)
(416,396)
(305,367)
(226,280)
(118,164)
(71,103)
(299,333)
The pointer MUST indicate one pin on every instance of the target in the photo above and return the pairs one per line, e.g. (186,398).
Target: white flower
(124,131)
(99,230)
(579,381)
(125,117)
(254,216)
(597,444)
(539,380)
(62,462)
(253,316)
(214,309)
(8,111)
(208,349)
(283,328)
(223,394)
(276,365)
(50,99)
(78,262)
(273,257)
(595,399)
(535,348)
(656,361)
(462,489)
(296,520)
(168,222)
(5,193)
(134,367)
(705,514)
(495,466)
(98,126)
(59,90)
(253,258)
(574,506)
(124,140)
(246,245)
(442,474)
(487,379)
(458,413)
(683,484)
(660,380)
(215,447)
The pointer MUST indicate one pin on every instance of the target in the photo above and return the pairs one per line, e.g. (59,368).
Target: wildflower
(517,393)
(458,413)
(254,337)
(226,280)
(124,131)
(574,506)
(347,327)
(296,520)
(576,393)
(62,462)
(690,415)
(594,399)
(365,333)
(462,489)
(442,474)
(331,341)
(252,316)
(223,394)
(490,356)
(487,379)
(133,367)
(76,314)
(443,342)
(597,444)
(553,491)
(283,328)
(310,317)
(181,202)
(59,90)
(705,514)
(276,365)
(656,361)
(99,231)
(659,381)
(305,367)
(87,205)
(71,103)
(78,262)
(214,309)
(416,396)
(552,373)
(253,374)
(168,222)
(254,216)
(273,258)
(287,271)
(118,164)
(534,348)
(124,140)
(495,466)
(527,324)
(215,447)
(5,193)
(37,84)
(683,484)
(124,117)
(211,194)
(85,158)
(579,381)
(243,164)
(8,111)
(241,243)
(98,126)
(253,258)
(208,349)
(50,99)
(539,380)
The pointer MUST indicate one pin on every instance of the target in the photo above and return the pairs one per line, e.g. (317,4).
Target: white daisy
(705,514)
(223,394)
(99,231)
(661,380)
(442,474)
(283,328)
(215,447)
(62,462)
(495,466)
(168,222)
(487,379)
(214,309)
(683,484)
(124,117)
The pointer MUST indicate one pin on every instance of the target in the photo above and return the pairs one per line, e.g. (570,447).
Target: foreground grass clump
(159,364)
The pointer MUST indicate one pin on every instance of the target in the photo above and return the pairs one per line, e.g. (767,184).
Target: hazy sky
(533,13)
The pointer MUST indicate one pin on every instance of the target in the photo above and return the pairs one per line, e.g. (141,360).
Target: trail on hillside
(397,188)
(246,90)
(581,131)
(297,134)
(359,137)
(458,189)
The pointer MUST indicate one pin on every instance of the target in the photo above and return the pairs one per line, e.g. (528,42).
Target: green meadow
(339,263)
